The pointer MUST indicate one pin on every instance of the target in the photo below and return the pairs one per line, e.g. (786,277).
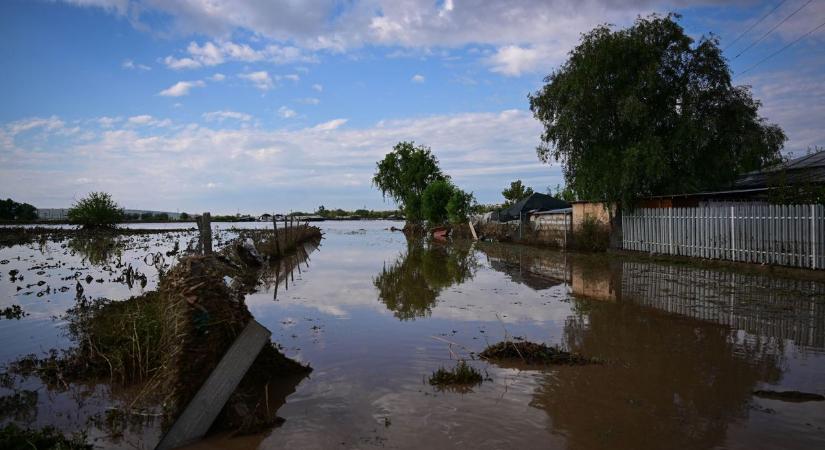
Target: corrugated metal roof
(809,169)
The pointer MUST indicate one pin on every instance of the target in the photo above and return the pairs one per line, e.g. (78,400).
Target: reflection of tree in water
(672,382)
(410,286)
(97,249)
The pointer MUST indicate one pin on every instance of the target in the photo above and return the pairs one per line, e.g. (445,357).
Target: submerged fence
(789,235)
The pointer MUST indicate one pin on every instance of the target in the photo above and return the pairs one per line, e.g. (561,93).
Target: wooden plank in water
(198,416)
(473,230)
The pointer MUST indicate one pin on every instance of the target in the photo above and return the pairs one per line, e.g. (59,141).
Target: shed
(534,203)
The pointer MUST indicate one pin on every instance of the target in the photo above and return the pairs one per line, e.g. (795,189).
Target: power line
(772,29)
(782,49)
(754,25)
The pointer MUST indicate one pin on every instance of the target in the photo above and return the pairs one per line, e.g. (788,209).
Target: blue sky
(253,105)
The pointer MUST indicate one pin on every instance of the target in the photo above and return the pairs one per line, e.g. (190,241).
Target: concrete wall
(597,210)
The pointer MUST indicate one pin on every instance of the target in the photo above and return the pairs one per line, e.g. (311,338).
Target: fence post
(732,234)
(277,239)
(813,237)
(206,233)
(670,230)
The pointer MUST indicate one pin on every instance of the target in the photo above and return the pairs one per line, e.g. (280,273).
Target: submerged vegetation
(165,343)
(462,375)
(532,354)
(12,437)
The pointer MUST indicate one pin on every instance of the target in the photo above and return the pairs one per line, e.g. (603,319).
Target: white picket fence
(788,235)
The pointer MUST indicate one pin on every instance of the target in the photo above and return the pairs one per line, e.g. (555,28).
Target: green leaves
(644,111)
(96,210)
(405,173)
(516,192)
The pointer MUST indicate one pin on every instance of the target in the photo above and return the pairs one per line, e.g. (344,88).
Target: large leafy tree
(516,192)
(405,173)
(646,110)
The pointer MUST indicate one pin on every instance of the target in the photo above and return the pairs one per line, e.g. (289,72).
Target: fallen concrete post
(199,414)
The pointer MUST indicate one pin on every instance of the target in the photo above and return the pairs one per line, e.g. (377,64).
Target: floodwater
(375,315)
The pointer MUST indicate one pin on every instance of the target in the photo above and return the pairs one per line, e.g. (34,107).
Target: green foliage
(565,193)
(434,201)
(516,192)
(646,110)
(11,210)
(592,235)
(461,374)
(405,173)
(98,210)
(459,206)
(184,216)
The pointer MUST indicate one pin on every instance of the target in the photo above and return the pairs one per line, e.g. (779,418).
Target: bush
(592,235)
(434,201)
(98,210)
(459,206)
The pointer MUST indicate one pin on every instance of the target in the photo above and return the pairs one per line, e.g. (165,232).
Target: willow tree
(405,173)
(647,110)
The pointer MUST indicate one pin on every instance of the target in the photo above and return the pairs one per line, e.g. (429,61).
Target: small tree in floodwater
(97,210)
(405,173)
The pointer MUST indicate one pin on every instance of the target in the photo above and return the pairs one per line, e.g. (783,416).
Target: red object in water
(440,233)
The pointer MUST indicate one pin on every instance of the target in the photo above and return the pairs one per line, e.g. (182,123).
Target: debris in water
(790,396)
(532,353)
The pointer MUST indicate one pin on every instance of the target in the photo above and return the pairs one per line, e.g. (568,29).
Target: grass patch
(462,374)
(533,354)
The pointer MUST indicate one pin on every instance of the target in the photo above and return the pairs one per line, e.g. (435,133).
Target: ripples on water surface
(372,313)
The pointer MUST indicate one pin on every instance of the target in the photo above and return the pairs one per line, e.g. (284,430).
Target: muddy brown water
(375,315)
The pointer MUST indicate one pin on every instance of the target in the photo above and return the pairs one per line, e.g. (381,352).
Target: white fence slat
(792,235)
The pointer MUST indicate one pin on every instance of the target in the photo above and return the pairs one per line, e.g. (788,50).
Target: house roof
(807,169)
(535,202)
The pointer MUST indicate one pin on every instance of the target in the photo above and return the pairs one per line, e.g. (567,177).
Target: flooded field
(682,350)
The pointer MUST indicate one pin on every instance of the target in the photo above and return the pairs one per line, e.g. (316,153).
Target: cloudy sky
(261,105)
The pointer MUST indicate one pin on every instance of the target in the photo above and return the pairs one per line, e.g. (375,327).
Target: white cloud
(218,77)
(260,79)
(331,125)
(129,64)
(480,150)
(318,87)
(513,60)
(286,113)
(147,120)
(108,122)
(141,120)
(417,78)
(214,53)
(291,77)
(181,88)
(309,101)
(220,116)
